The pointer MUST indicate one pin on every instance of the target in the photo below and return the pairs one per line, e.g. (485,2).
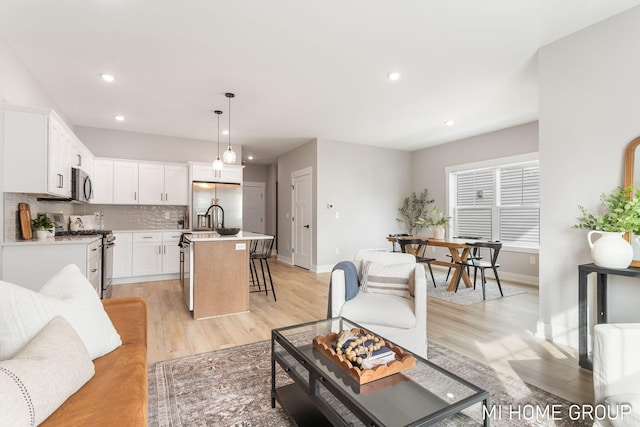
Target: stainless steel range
(108,242)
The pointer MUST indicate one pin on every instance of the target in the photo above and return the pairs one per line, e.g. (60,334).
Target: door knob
(306,226)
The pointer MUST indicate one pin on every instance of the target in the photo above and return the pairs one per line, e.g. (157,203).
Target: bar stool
(261,251)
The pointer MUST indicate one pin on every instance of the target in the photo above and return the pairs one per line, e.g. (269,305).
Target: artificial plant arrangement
(437,218)
(414,211)
(621,213)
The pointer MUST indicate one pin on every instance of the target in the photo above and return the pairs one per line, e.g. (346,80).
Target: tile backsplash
(116,217)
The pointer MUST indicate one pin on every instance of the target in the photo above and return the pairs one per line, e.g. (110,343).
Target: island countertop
(211,236)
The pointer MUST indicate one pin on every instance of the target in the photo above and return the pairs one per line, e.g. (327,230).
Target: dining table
(458,249)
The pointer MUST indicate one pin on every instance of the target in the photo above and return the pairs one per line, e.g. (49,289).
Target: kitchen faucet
(213,218)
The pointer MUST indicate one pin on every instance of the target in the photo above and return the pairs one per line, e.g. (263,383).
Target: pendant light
(229,155)
(217,163)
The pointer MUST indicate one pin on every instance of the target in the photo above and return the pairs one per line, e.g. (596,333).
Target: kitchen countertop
(209,236)
(158,230)
(60,240)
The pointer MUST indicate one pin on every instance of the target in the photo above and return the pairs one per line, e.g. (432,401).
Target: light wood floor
(499,333)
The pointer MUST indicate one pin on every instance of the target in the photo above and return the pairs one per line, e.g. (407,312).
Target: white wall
(366,186)
(589,104)
(428,166)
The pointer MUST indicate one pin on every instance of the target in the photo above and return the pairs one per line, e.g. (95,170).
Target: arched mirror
(632,177)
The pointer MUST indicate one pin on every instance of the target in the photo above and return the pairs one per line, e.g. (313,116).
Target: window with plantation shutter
(498,203)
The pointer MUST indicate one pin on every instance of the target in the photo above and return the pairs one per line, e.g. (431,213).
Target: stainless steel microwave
(81,186)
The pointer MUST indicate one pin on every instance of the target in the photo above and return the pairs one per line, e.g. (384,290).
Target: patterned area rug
(232,387)
(466,296)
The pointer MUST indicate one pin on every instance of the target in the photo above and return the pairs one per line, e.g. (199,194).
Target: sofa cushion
(379,309)
(386,279)
(43,374)
(69,294)
(624,409)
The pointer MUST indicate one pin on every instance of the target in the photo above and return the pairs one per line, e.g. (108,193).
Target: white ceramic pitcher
(611,250)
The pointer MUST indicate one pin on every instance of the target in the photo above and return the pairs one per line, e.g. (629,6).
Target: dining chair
(421,248)
(261,252)
(472,255)
(478,264)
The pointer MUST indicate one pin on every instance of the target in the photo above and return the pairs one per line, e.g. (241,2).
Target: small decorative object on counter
(41,224)
(621,215)
(350,350)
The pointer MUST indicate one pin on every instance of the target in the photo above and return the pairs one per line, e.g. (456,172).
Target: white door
(302,208)
(253,207)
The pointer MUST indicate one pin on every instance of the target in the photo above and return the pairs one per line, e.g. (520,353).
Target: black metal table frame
(316,377)
(601,303)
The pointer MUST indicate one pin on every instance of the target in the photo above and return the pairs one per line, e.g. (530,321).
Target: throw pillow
(69,294)
(351,283)
(386,279)
(43,374)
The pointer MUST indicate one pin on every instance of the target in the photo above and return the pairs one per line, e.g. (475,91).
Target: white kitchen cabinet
(147,254)
(204,172)
(81,157)
(123,255)
(171,252)
(125,182)
(37,147)
(19,259)
(176,185)
(161,184)
(102,180)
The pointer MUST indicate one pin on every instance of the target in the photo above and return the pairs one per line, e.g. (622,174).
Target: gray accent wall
(589,103)
(428,167)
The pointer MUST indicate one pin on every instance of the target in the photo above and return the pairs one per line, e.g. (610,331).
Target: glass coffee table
(316,391)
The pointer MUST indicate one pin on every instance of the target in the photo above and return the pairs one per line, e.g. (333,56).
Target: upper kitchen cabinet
(81,157)
(103,181)
(37,152)
(125,182)
(163,184)
(231,174)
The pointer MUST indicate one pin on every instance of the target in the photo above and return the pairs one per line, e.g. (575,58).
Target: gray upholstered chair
(399,319)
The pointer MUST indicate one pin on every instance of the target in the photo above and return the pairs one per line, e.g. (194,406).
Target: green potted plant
(414,211)
(621,214)
(41,224)
(437,221)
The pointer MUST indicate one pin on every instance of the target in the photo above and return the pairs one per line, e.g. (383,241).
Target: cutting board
(24,212)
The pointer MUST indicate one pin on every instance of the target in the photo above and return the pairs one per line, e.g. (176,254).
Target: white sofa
(616,372)
(401,320)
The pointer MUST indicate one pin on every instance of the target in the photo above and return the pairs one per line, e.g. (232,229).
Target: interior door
(253,207)
(302,209)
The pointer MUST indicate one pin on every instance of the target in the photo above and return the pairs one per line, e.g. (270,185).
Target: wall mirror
(632,177)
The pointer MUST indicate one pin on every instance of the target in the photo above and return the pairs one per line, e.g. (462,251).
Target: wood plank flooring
(499,333)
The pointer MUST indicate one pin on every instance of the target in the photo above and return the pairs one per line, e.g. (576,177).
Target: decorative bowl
(227,231)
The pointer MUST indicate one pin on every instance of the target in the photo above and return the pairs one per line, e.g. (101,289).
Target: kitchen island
(218,282)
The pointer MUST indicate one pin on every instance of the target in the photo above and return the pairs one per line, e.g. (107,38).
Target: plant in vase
(414,210)
(41,224)
(437,221)
(621,214)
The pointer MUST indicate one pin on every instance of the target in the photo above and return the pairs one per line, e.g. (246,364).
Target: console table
(601,303)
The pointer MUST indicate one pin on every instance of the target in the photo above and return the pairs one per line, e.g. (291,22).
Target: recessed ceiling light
(393,76)
(250,158)
(119,118)
(225,132)
(107,77)
(449,123)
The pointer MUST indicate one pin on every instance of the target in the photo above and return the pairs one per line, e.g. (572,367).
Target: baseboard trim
(140,279)
(284,259)
(505,275)
(557,334)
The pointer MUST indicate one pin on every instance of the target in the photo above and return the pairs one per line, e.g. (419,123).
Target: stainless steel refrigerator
(206,194)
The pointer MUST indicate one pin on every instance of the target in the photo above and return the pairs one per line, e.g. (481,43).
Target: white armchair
(616,372)
(401,320)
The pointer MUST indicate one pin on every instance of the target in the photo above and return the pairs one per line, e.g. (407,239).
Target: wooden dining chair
(479,264)
(420,250)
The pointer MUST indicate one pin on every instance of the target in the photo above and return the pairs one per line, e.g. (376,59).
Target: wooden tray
(403,360)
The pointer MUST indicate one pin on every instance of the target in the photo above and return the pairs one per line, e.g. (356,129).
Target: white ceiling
(300,69)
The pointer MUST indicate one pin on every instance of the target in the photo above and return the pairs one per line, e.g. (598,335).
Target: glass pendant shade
(217,164)
(229,155)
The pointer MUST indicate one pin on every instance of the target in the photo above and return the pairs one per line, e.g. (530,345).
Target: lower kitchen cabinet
(31,264)
(143,254)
